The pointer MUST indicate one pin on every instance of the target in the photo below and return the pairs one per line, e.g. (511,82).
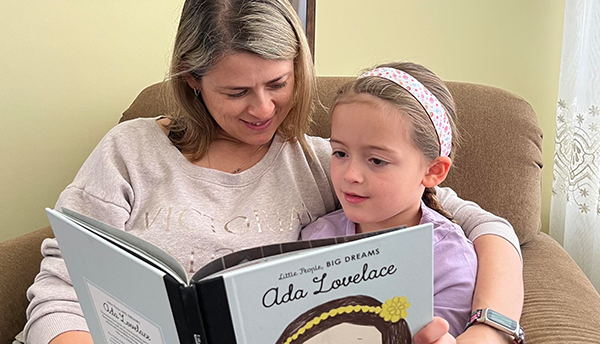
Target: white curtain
(575,210)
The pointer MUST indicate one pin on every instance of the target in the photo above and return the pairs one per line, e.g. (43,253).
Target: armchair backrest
(499,162)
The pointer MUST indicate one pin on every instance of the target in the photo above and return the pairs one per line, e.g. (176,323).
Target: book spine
(214,307)
(186,312)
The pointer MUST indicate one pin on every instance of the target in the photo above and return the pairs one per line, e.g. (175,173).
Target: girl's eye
(279,85)
(378,162)
(238,95)
(339,154)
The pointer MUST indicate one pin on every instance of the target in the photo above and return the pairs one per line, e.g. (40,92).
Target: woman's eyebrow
(241,88)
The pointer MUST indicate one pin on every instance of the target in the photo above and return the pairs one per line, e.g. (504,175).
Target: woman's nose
(262,106)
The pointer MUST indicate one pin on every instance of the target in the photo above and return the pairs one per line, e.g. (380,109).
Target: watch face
(501,320)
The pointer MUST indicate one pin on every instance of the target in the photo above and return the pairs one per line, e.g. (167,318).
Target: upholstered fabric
(498,166)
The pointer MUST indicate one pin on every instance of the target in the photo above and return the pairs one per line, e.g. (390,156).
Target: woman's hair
(423,134)
(391,332)
(210,30)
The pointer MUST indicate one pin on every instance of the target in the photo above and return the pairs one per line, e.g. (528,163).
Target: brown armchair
(498,166)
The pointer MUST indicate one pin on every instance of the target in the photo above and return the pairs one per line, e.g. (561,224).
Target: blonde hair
(211,30)
(423,134)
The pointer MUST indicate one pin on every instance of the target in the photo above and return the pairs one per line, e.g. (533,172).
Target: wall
(510,44)
(69,68)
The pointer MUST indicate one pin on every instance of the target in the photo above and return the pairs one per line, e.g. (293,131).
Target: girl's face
(376,171)
(248,96)
(346,333)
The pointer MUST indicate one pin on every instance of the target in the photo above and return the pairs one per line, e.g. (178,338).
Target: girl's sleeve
(100,190)
(475,221)
(455,272)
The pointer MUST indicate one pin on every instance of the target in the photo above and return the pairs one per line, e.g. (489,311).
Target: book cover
(372,289)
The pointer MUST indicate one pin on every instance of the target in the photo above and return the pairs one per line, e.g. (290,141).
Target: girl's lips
(354,199)
(258,125)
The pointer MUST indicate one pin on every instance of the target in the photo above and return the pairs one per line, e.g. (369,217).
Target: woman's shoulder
(137,127)
(321,149)
(318,142)
(133,136)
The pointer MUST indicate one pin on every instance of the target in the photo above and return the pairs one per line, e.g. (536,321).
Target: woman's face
(248,96)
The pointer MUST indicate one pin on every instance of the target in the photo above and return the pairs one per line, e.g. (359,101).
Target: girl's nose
(353,172)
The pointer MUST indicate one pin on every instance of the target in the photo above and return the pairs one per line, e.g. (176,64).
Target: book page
(140,247)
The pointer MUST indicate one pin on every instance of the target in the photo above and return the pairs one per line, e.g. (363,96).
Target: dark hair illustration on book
(352,319)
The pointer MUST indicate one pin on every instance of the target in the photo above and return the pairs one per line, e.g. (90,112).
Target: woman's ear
(195,84)
(437,171)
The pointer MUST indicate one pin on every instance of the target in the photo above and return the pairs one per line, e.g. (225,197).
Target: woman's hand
(436,332)
(483,334)
(73,337)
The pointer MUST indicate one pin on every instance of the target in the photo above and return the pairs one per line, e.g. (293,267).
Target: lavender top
(454,262)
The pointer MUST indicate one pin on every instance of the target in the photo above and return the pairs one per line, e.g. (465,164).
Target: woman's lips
(258,125)
(354,199)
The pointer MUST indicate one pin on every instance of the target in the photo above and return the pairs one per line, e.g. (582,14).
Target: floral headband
(392,311)
(430,103)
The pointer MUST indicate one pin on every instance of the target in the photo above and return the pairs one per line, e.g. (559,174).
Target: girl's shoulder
(443,228)
(329,225)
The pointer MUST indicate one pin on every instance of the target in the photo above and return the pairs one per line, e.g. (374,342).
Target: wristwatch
(498,321)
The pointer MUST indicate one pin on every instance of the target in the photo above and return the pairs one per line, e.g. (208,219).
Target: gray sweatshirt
(137,181)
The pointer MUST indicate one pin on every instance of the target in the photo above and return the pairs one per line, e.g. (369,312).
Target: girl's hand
(483,334)
(436,332)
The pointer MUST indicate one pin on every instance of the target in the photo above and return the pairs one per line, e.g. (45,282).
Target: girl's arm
(499,275)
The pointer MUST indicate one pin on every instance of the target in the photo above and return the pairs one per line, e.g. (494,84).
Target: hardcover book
(366,288)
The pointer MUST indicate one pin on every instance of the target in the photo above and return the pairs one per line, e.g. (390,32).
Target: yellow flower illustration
(394,309)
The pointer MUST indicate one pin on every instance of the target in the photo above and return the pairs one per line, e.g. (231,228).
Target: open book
(367,288)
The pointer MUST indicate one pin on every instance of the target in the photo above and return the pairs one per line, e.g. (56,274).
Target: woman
(234,169)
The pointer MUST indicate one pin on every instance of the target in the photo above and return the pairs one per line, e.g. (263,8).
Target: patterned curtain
(575,209)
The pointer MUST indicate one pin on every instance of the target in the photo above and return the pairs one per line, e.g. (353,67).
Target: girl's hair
(211,30)
(424,136)
(391,332)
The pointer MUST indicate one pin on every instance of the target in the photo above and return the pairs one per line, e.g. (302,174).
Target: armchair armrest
(561,305)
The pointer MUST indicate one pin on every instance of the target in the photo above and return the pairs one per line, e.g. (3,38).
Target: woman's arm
(54,308)
(499,275)
(72,337)
(499,287)
(100,191)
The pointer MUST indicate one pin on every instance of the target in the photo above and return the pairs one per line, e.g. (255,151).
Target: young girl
(393,137)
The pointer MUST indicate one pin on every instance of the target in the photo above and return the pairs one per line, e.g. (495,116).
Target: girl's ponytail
(430,199)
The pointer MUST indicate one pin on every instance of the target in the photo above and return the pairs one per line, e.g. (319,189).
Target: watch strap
(477,318)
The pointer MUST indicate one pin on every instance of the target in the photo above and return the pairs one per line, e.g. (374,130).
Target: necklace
(239,169)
